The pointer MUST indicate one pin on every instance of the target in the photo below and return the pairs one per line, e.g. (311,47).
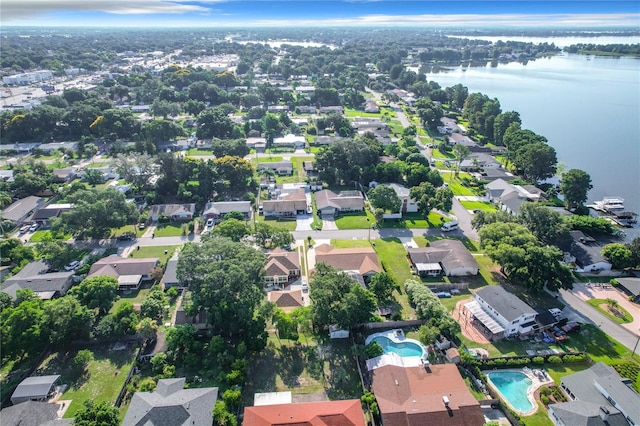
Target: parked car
(126,237)
(141,226)
(305,285)
(34,227)
(449,226)
(210,223)
(72,266)
(443,295)
(24,229)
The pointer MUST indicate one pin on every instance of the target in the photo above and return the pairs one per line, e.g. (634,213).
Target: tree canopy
(385,197)
(575,186)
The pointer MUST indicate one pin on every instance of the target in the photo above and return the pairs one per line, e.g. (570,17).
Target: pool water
(403,349)
(513,386)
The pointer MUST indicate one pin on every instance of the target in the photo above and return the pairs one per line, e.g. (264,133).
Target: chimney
(445,399)
(604,413)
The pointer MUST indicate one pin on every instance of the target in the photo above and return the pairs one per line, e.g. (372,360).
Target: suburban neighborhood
(248,236)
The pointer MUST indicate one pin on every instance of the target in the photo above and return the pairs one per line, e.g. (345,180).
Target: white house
(501,312)
(290,140)
(409,205)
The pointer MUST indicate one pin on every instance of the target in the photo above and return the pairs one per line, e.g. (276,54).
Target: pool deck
(397,336)
(538,379)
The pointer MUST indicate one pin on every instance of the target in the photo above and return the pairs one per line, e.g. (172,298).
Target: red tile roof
(330,413)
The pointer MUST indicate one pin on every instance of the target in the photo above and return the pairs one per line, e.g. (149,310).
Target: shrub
(544,399)
(554,359)
(82,359)
(574,358)
(373,350)
(537,360)
(545,391)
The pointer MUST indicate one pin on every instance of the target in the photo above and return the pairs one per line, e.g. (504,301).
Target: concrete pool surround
(538,378)
(396,336)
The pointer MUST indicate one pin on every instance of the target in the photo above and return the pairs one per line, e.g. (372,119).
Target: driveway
(303,222)
(590,291)
(329,224)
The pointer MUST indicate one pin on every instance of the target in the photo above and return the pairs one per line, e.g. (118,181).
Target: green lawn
(478,205)
(155,251)
(350,112)
(269,159)
(133,297)
(172,229)
(360,220)
(310,365)
(289,225)
(455,184)
(102,381)
(350,243)
(128,229)
(415,220)
(197,152)
(46,235)
(622,317)
(436,153)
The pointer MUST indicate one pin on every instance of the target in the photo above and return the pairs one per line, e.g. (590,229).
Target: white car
(209,223)
(34,227)
(72,266)
(24,229)
(305,285)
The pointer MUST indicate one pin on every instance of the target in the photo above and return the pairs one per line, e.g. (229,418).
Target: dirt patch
(470,329)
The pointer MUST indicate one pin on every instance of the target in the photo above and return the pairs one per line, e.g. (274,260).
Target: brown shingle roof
(361,259)
(114,266)
(286,299)
(414,397)
(450,253)
(330,413)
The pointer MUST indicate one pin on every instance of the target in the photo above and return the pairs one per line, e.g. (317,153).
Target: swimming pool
(404,349)
(514,388)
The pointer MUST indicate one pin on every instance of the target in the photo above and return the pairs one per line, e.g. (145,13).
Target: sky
(274,13)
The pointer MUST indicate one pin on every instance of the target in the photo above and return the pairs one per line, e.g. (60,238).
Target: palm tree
(461,152)
(612,303)
(5,199)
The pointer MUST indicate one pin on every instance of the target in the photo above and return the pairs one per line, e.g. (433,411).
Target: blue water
(403,349)
(513,386)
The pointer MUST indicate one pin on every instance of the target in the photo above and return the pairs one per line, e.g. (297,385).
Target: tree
(429,308)
(222,416)
(334,295)
(373,350)
(5,301)
(101,413)
(57,253)
(574,186)
(95,213)
(547,225)
(502,122)
(147,329)
(97,292)
(537,161)
(618,254)
(23,329)
(93,177)
(461,152)
(152,308)
(233,229)
(82,359)
(237,171)
(67,320)
(382,286)
(271,236)
(428,334)
(226,279)
(214,123)
(384,197)
(234,215)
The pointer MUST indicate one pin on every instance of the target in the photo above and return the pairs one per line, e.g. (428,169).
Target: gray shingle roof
(170,276)
(171,405)
(35,387)
(581,413)
(450,253)
(21,208)
(506,304)
(28,413)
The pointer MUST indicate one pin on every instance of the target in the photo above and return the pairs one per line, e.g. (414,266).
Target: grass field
(172,229)
(308,366)
(289,225)
(129,229)
(197,152)
(622,317)
(360,220)
(102,380)
(478,205)
(155,251)
(46,235)
(415,220)
(133,297)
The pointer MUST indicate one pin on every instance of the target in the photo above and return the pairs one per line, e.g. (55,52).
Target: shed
(35,388)
(337,333)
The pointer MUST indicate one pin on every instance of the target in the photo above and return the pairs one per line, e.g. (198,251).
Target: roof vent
(396,380)
(445,399)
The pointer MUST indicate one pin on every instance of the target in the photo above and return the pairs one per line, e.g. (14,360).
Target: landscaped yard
(132,296)
(162,252)
(46,235)
(478,205)
(102,380)
(314,368)
(172,229)
(196,152)
(614,312)
(360,220)
(289,225)
(415,220)
(127,229)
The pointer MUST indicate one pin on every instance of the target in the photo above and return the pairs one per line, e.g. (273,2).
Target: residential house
(47,148)
(33,413)
(327,140)
(290,140)
(129,272)
(362,260)
(218,209)
(171,405)
(597,396)
(371,107)
(336,109)
(325,413)
(66,174)
(172,211)
(586,251)
(256,143)
(309,168)
(329,203)
(631,286)
(20,210)
(43,216)
(282,168)
(459,139)
(170,277)
(286,204)
(287,300)
(510,197)
(46,285)
(107,173)
(6,176)
(35,388)
(434,395)
(305,109)
(282,267)
(490,174)
(501,312)
(409,205)
(278,108)
(479,160)
(154,347)
(450,257)
(199,320)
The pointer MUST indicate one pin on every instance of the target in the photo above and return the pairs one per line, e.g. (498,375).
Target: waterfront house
(502,313)
(586,251)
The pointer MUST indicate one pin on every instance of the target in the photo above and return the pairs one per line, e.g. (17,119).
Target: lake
(588,107)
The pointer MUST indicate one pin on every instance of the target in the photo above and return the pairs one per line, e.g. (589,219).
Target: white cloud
(478,20)
(25,9)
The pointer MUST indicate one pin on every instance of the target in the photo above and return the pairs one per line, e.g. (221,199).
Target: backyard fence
(132,371)
(392,324)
